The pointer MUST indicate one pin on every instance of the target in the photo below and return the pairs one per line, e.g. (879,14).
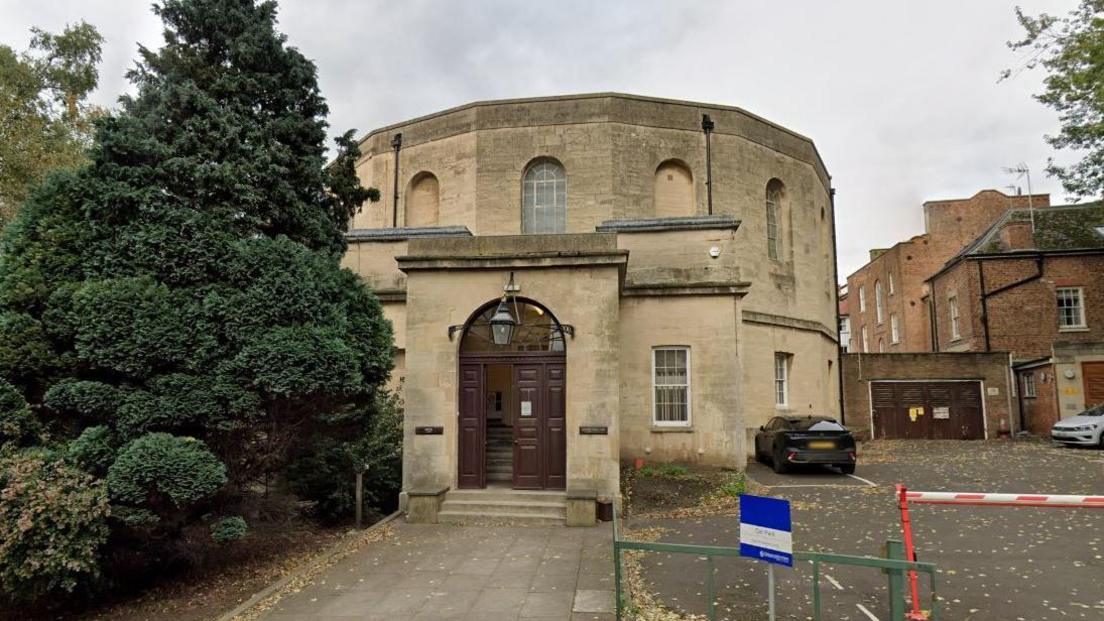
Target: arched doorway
(512,427)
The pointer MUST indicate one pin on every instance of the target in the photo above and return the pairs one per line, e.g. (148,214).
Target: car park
(1085,429)
(788,441)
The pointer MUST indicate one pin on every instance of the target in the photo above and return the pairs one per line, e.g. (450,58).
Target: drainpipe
(985,295)
(707,127)
(835,283)
(396,144)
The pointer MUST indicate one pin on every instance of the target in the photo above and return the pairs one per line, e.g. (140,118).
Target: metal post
(618,604)
(359,498)
(770,589)
(711,592)
(816,591)
(896,550)
(707,127)
(910,551)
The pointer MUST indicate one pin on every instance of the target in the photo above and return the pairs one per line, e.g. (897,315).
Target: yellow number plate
(822,444)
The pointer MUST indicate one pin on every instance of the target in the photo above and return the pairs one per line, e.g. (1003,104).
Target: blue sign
(765,530)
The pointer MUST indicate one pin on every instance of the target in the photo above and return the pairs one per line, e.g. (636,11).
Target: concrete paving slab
(593,601)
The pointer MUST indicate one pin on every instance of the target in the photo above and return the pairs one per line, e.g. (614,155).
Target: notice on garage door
(941,412)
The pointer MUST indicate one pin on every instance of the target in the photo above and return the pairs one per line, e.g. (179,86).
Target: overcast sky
(900,97)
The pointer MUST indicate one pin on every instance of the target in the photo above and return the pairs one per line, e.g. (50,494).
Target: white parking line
(867,481)
(867,612)
(833,581)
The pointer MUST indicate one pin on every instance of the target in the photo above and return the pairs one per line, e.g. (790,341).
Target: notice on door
(941,412)
(526,408)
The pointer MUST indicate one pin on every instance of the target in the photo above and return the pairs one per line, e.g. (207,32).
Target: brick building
(1031,284)
(888,312)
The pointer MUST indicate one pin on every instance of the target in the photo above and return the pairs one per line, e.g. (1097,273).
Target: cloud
(900,98)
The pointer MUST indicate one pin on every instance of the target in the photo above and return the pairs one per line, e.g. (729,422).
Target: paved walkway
(484,573)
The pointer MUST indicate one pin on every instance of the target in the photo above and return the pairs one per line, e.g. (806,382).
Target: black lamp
(502,324)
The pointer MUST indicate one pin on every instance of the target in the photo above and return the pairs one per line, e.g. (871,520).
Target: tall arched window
(544,198)
(674,190)
(879,313)
(775,192)
(422,200)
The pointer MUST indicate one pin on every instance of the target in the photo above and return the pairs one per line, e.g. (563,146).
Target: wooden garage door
(927,410)
(1093,372)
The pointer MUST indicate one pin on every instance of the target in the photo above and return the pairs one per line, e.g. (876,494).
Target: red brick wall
(955,223)
(1022,320)
(991,368)
(950,226)
(1040,411)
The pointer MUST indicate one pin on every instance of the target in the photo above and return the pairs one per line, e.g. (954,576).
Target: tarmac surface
(1007,563)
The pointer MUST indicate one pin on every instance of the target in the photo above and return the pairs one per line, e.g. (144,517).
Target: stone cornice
(738,289)
(404,233)
(788,322)
(618,258)
(651,225)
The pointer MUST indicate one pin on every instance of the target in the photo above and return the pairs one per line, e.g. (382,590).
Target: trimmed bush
(18,424)
(52,524)
(229,529)
(163,471)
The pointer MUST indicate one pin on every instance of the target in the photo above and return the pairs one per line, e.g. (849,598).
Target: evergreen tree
(175,311)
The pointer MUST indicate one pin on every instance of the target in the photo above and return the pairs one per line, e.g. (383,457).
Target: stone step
(500,477)
(508,495)
(458,517)
(482,507)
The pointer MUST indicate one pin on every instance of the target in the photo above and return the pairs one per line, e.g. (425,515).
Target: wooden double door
(927,410)
(537,401)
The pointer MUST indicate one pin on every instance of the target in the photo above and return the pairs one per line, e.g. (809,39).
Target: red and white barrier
(1005,500)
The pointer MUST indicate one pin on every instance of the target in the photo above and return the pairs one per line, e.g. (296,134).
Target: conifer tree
(175,311)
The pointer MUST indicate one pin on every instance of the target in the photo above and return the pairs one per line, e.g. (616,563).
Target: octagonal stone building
(665,270)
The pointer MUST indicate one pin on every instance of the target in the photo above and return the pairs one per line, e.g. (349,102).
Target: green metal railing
(896,568)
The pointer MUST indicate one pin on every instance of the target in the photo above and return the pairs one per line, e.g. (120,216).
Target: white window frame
(952,310)
(879,306)
(862,298)
(544,179)
(782,384)
(689,393)
(1079,294)
(1029,385)
(894,329)
(865,342)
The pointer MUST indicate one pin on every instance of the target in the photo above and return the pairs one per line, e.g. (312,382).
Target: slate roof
(1057,228)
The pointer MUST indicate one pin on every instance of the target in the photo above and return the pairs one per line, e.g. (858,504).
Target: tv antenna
(1021,170)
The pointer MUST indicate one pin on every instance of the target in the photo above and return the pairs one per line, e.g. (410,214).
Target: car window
(1094,411)
(816,423)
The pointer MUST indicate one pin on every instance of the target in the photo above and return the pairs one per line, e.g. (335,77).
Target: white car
(1085,429)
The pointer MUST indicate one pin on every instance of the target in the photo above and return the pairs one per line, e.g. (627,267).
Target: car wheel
(779,463)
(847,469)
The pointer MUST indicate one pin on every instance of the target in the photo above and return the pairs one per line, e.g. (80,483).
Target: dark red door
(471,425)
(529,408)
(555,427)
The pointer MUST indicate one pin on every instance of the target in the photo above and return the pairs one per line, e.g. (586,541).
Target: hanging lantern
(503,324)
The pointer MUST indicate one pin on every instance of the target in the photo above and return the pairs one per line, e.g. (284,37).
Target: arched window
(544,198)
(422,200)
(674,190)
(775,191)
(879,313)
(537,329)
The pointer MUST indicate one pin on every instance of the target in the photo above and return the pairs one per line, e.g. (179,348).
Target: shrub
(52,524)
(229,529)
(165,471)
(324,472)
(18,425)
(734,485)
(94,450)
